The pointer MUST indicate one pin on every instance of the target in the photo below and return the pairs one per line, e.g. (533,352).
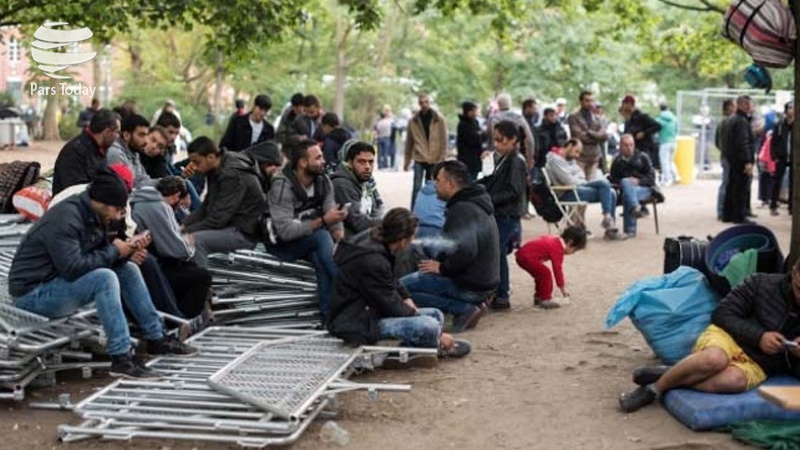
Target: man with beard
(81,157)
(229,217)
(305,217)
(127,149)
(353,184)
(469,139)
(586,127)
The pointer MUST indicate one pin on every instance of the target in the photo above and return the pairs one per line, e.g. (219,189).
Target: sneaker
(460,349)
(648,374)
(195,325)
(468,320)
(500,304)
(607,223)
(636,399)
(547,304)
(130,367)
(612,234)
(170,346)
(774,212)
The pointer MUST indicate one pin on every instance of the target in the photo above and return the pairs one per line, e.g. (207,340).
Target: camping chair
(572,210)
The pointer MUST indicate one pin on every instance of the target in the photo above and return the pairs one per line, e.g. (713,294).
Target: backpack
(543,201)
(765,29)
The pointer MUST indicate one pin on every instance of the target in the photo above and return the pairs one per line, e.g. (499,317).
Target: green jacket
(669,127)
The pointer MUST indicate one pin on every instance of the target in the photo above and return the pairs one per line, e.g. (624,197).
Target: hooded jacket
(234,198)
(473,263)
(292,210)
(366,204)
(763,302)
(121,153)
(669,127)
(151,212)
(365,290)
(333,143)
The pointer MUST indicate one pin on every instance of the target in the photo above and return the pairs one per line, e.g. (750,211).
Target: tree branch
(708,6)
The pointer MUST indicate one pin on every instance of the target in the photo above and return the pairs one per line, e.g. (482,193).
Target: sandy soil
(535,380)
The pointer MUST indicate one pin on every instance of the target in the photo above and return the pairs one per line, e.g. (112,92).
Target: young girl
(533,254)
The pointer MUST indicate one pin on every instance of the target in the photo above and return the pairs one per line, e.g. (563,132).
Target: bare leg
(694,369)
(729,381)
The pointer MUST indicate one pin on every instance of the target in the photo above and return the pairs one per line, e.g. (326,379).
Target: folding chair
(572,210)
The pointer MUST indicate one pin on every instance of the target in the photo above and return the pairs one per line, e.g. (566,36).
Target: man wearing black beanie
(65,261)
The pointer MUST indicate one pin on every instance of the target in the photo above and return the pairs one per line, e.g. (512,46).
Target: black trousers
(190,284)
(737,194)
(159,287)
(780,170)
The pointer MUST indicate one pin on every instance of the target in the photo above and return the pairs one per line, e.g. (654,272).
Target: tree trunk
(49,120)
(340,75)
(794,251)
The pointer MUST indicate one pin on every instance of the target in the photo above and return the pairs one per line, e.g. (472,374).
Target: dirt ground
(535,380)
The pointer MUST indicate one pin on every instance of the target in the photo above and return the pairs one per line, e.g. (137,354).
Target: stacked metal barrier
(253,288)
(185,406)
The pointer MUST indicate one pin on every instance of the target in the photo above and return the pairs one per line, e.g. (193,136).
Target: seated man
(305,218)
(229,217)
(353,184)
(633,172)
(65,261)
(754,334)
(268,158)
(79,159)
(129,146)
(153,209)
(370,305)
(468,268)
(563,170)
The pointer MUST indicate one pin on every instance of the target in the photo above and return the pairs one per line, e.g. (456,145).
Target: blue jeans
(422,171)
(507,228)
(60,298)
(435,291)
(385,153)
(726,169)
(631,196)
(422,330)
(666,154)
(596,191)
(318,250)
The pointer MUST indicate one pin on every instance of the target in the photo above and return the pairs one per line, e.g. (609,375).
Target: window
(13,50)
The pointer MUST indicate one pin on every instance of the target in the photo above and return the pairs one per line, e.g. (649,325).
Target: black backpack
(543,200)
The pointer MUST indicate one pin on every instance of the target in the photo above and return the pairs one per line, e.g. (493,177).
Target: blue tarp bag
(669,310)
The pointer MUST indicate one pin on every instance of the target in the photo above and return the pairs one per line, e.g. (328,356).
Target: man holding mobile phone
(355,188)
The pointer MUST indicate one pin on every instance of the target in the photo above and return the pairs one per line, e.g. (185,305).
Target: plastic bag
(670,311)
(32,201)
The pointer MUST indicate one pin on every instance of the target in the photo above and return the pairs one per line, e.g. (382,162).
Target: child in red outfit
(533,254)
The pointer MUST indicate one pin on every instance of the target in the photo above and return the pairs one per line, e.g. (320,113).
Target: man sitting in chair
(633,172)
(563,170)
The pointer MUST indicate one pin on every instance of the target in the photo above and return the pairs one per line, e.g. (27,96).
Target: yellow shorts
(714,336)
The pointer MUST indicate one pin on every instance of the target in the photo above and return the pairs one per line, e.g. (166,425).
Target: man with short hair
(66,261)
(728,110)
(353,184)
(305,217)
(130,145)
(738,146)
(288,115)
(754,334)
(426,143)
(525,142)
(81,157)
(589,129)
(642,127)
(633,172)
(250,129)
(564,170)
(153,157)
(229,216)
(335,137)
(531,113)
(466,269)
(306,125)
(550,135)
(666,146)
(85,117)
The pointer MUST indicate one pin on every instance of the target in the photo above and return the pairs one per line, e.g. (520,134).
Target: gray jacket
(151,212)
(120,153)
(366,205)
(563,172)
(292,210)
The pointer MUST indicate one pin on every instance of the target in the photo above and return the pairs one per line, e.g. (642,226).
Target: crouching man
(65,261)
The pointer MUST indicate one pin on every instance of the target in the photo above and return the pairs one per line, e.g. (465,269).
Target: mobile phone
(136,239)
(344,206)
(790,344)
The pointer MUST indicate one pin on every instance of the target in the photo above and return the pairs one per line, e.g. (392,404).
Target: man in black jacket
(754,333)
(466,269)
(250,129)
(506,186)
(229,217)
(633,172)
(469,139)
(642,127)
(738,148)
(369,304)
(549,134)
(80,158)
(353,185)
(781,148)
(66,261)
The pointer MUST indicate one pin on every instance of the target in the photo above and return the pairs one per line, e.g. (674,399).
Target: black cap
(265,152)
(109,189)
(468,106)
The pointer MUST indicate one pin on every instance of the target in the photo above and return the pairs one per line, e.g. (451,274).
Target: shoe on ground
(630,234)
(130,367)
(613,234)
(500,304)
(607,223)
(774,212)
(648,374)
(468,320)
(547,304)
(195,325)
(460,349)
(170,346)
(636,399)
